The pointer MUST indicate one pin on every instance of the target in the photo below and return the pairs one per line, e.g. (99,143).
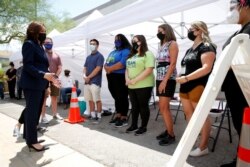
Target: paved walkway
(88,145)
(15,153)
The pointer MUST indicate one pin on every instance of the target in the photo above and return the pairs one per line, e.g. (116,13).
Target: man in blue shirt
(93,78)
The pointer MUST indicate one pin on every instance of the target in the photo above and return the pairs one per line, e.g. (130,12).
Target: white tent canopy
(53,33)
(140,11)
(143,17)
(132,20)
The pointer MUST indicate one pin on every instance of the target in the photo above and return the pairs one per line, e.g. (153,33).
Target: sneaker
(163,135)
(96,121)
(120,123)
(44,120)
(57,116)
(140,131)
(167,140)
(197,152)
(231,164)
(113,121)
(131,129)
(16,131)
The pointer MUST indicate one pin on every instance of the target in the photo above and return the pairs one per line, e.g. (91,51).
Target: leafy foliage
(15,15)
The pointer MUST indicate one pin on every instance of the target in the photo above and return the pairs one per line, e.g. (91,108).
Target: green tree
(15,15)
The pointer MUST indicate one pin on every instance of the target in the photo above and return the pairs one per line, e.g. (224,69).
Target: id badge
(183,69)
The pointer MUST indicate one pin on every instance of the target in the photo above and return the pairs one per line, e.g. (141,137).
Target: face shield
(233,14)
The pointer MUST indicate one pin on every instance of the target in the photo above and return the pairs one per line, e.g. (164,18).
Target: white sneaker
(57,116)
(16,131)
(197,152)
(44,120)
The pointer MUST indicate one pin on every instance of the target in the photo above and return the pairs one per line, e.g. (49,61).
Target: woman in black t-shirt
(196,67)
(240,14)
(11,73)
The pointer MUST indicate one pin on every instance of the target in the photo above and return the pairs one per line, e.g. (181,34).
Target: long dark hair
(124,42)
(33,31)
(169,33)
(143,47)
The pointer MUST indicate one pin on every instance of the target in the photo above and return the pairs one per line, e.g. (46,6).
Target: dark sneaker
(131,129)
(231,164)
(167,141)
(120,123)
(162,135)
(140,131)
(96,121)
(113,121)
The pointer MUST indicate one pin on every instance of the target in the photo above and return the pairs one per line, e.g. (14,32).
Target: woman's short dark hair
(33,30)
(124,41)
(11,64)
(95,40)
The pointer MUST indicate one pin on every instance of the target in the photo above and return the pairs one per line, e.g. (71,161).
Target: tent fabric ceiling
(140,11)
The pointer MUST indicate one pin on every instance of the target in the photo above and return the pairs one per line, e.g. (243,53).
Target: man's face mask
(92,47)
(233,15)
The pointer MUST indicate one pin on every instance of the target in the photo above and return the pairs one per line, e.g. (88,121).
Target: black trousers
(235,99)
(119,92)
(21,118)
(140,105)
(11,87)
(19,90)
(31,114)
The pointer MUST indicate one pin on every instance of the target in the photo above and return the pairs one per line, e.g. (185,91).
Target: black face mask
(42,37)
(160,36)
(191,35)
(135,46)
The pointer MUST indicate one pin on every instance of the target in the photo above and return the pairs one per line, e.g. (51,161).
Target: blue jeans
(1,90)
(65,91)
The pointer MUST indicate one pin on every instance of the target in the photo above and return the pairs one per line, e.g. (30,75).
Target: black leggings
(11,86)
(140,105)
(119,91)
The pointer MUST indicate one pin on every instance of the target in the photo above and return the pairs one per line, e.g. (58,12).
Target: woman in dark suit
(34,81)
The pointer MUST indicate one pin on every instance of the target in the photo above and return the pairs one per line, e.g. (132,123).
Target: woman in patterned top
(165,80)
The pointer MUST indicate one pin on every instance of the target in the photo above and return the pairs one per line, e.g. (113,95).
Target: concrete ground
(86,144)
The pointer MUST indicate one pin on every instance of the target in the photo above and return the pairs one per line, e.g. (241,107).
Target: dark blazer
(35,65)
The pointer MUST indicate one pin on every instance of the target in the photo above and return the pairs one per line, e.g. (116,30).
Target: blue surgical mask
(118,44)
(48,46)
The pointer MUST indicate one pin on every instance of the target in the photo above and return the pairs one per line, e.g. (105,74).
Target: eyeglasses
(93,44)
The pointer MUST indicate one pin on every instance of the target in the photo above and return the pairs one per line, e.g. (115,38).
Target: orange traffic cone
(74,111)
(244,146)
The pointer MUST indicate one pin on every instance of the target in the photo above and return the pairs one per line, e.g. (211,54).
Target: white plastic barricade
(235,55)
